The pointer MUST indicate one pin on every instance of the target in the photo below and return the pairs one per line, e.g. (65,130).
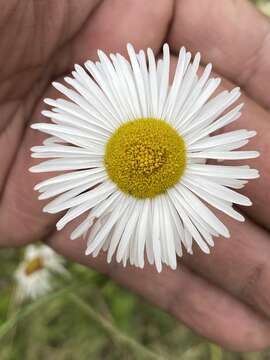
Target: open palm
(224,296)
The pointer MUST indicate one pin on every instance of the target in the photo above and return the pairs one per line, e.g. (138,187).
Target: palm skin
(224,296)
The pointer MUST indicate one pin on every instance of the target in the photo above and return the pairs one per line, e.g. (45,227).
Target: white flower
(34,273)
(134,152)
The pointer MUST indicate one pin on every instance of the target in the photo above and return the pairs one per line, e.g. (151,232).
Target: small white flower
(34,273)
(134,150)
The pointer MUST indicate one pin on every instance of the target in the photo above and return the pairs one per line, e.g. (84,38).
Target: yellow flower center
(144,157)
(34,265)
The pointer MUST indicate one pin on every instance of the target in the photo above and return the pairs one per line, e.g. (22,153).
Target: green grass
(91,317)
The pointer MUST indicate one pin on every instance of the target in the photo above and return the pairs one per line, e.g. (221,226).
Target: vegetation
(91,317)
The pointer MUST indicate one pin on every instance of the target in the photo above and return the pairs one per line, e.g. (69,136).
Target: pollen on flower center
(34,265)
(144,157)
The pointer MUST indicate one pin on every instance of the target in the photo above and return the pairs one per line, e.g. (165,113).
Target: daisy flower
(34,273)
(134,152)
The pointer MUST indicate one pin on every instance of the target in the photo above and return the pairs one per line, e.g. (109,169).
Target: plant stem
(215,352)
(115,333)
(29,309)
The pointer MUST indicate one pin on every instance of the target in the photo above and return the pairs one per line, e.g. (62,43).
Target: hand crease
(251,67)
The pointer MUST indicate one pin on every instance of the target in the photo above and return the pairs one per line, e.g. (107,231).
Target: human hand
(224,296)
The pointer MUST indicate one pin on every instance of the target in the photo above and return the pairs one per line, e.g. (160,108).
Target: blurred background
(88,316)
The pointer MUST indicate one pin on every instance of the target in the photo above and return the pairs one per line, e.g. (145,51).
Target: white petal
(126,69)
(91,196)
(66,164)
(222,139)
(126,209)
(60,188)
(217,190)
(226,119)
(138,77)
(100,99)
(179,231)
(225,155)
(82,228)
(189,79)
(126,91)
(203,211)
(176,199)
(156,232)
(196,101)
(129,231)
(238,172)
(99,110)
(168,232)
(221,205)
(145,75)
(115,84)
(178,77)
(58,130)
(211,110)
(67,177)
(61,117)
(149,245)
(153,82)
(143,225)
(164,81)
(105,86)
(114,216)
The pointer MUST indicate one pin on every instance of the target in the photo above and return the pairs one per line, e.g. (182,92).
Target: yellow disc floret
(34,265)
(144,157)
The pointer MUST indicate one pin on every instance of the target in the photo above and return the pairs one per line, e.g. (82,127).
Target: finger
(38,40)
(203,307)
(112,25)
(239,265)
(116,23)
(254,117)
(232,35)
